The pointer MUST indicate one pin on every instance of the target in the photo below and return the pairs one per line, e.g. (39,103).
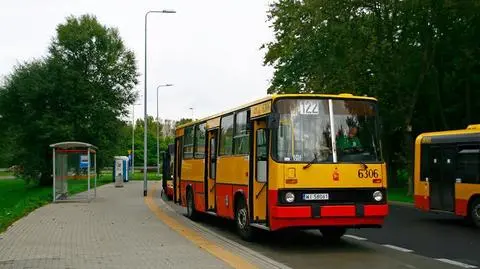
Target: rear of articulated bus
(167,171)
(326,167)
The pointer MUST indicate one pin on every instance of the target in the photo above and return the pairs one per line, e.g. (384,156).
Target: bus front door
(442,178)
(212,170)
(260,172)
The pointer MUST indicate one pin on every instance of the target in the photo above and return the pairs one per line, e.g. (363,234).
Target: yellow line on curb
(228,257)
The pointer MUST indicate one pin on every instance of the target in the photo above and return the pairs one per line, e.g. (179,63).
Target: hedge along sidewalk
(17,198)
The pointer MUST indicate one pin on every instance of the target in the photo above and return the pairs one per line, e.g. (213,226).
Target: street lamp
(158,123)
(145,153)
(191,108)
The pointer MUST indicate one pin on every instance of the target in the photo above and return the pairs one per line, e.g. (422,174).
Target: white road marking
(461,264)
(355,237)
(398,248)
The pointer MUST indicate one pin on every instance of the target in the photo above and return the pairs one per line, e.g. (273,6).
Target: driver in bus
(350,142)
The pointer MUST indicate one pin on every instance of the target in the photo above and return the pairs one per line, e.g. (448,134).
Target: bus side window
(468,164)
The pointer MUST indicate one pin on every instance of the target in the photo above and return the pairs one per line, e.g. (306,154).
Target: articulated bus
(306,161)
(447,172)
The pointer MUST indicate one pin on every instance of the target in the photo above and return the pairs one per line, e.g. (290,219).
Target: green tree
(182,121)
(419,58)
(77,92)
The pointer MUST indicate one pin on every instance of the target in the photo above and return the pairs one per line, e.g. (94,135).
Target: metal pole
(133,139)
(145,153)
(95,161)
(54,175)
(332,130)
(88,174)
(145,116)
(158,146)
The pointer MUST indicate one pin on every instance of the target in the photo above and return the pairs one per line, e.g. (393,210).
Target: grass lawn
(399,195)
(136,176)
(150,176)
(18,199)
(5,174)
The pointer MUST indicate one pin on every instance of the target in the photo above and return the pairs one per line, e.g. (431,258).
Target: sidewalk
(117,230)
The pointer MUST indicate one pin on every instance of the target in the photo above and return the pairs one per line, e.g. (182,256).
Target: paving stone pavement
(116,230)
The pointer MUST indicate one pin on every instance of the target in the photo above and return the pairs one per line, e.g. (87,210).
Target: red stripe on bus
(376,210)
(422,202)
(337,211)
(277,223)
(289,212)
(224,200)
(461,207)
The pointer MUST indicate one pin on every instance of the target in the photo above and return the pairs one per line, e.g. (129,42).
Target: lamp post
(191,108)
(145,153)
(158,123)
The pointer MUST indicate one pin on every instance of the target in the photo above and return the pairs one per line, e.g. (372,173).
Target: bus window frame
(220,135)
(458,172)
(185,145)
(247,111)
(273,140)
(195,139)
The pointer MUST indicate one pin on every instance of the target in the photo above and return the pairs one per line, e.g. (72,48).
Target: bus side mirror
(273,121)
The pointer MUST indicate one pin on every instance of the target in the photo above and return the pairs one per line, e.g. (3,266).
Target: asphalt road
(306,249)
(436,235)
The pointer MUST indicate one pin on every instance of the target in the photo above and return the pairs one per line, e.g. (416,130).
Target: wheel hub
(190,205)
(476,211)
(242,218)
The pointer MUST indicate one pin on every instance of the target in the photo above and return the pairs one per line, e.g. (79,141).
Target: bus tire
(191,212)
(242,220)
(474,212)
(332,234)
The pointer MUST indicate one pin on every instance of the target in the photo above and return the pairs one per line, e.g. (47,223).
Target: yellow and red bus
(286,161)
(447,172)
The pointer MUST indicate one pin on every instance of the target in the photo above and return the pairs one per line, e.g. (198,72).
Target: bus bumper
(313,216)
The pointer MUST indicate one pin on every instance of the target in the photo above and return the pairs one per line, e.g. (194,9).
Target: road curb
(406,204)
(244,251)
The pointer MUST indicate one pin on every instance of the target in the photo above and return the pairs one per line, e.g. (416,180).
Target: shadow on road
(286,241)
(452,221)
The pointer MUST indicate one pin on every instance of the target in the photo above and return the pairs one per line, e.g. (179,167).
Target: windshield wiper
(365,167)
(311,162)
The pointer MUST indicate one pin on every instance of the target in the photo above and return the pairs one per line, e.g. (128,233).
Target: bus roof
(277,96)
(471,133)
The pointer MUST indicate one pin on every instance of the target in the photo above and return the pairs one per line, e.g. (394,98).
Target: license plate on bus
(315,196)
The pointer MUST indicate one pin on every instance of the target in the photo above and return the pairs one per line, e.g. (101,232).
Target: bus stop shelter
(74,167)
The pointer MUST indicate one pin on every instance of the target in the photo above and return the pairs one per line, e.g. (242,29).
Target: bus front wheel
(332,234)
(475,212)
(242,221)
(191,212)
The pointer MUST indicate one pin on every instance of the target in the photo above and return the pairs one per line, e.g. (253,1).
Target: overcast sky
(209,50)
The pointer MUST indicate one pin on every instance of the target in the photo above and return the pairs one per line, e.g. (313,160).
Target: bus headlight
(378,196)
(289,197)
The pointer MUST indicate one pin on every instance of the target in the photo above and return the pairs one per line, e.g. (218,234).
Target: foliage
(420,59)
(399,195)
(126,143)
(77,92)
(183,121)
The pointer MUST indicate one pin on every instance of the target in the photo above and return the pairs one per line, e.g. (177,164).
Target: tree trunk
(409,159)
(427,63)
(468,101)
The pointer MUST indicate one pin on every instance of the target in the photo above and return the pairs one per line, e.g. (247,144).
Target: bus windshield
(304,131)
